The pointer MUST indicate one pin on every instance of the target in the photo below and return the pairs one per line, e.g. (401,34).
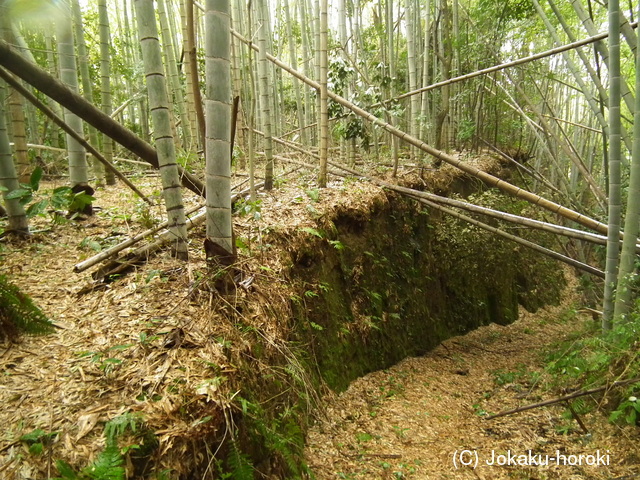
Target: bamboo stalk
(514,238)
(70,131)
(52,88)
(489,179)
(520,61)
(103,255)
(422,197)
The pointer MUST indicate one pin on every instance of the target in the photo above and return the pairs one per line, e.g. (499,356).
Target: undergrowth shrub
(591,359)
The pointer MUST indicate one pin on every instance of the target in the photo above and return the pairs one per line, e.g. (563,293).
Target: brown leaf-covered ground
(110,355)
(424,417)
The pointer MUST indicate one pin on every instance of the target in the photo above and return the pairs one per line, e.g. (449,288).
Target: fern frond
(239,463)
(18,313)
(117,427)
(108,465)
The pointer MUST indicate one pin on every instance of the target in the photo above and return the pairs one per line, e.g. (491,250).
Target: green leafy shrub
(592,359)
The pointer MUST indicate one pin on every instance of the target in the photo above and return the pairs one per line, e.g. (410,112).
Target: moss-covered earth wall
(380,285)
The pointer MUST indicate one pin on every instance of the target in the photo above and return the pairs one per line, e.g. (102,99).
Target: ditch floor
(411,420)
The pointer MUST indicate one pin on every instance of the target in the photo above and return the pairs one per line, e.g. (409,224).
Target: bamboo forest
(319,239)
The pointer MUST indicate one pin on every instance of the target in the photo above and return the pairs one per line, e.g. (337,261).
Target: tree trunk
(105,82)
(159,106)
(323,121)
(218,114)
(613,246)
(265,101)
(623,300)
(18,222)
(38,78)
(78,171)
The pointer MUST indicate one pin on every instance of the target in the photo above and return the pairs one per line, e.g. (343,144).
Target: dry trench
(424,418)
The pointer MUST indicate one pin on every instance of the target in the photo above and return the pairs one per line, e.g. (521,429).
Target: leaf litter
(411,420)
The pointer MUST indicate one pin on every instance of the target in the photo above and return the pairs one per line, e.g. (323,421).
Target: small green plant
(400,432)
(37,440)
(628,410)
(247,208)
(313,194)
(89,243)
(312,231)
(337,244)
(145,215)
(62,198)
(110,462)
(18,313)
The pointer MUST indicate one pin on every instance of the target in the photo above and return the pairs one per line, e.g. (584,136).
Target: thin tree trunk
(218,113)
(623,297)
(78,171)
(193,61)
(265,102)
(613,246)
(87,88)
(105,82)
(186,56)
(323,122)
(18,222)
(159,105)
(172,71)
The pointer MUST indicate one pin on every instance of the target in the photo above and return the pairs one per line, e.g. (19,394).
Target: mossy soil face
(396,280)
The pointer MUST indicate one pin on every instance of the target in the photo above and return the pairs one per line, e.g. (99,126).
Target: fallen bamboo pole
(70,131)
(544,403)
(533,246)
(420,196)
(136,256)
(103,255)
(489,179)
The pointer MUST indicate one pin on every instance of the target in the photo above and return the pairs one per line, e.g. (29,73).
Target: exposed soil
(411,420)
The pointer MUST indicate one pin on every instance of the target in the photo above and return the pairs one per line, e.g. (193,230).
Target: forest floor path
(411,420)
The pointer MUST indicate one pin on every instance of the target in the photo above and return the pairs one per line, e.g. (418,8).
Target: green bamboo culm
(18,313)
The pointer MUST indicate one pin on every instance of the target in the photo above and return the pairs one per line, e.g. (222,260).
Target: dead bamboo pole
(62,124)
(502,66)
(533,246)
(103,255)
(136,256)
(489,179)
(431,199)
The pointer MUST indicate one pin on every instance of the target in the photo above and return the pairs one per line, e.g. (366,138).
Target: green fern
(108,465)
(239,463)
(18,313)
(117,427)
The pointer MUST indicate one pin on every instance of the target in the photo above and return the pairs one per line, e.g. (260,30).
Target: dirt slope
(410,420)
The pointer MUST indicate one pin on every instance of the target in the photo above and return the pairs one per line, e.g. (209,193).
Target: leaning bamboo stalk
(63,150)
(126,103)
(52,88)
(508,217)
(502,66)
(70,131)
(417,195)
(514,238)
(489,179)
